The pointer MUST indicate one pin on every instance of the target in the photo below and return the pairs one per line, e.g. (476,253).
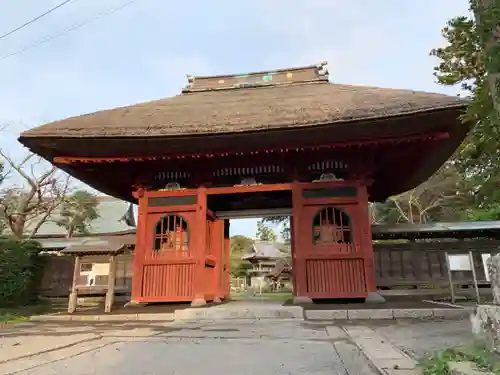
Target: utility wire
(72,28)
(34,19)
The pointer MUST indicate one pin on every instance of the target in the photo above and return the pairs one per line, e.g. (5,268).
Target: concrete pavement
(268,346)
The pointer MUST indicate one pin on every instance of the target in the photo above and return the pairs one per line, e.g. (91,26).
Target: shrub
(18,266)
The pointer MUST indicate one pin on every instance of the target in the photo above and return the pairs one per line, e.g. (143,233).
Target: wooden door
(168,261)
(329,251)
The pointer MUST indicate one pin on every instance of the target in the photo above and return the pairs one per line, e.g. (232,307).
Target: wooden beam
(66,160)
(73,297)
(110,293)
(248,189)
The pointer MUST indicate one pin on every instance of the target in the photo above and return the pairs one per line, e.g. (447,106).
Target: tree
(444,197)
(284,222)
(3,223)
(265,233)
(463,62)
(26,207)
(487,16)
(239,245)
(77,212)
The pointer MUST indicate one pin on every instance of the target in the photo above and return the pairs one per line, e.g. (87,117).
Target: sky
(144,50)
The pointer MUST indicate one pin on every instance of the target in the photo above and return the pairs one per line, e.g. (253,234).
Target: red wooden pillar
(139,251)
(292,247)
(226,282)
(199,242)
(217,251)
(298,255)
(371,283)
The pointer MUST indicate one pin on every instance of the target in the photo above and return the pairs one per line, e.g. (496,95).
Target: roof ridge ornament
(323,69)
(298,75)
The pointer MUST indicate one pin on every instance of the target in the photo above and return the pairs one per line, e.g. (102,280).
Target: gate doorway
(260,265)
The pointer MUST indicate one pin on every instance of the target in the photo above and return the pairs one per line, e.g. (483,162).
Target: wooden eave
(443,120)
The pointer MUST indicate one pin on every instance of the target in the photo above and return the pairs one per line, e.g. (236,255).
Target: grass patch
(23,313)
(11,318)
(478,353)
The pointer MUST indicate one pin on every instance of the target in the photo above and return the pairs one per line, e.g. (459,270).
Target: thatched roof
(226,114)
(283,99)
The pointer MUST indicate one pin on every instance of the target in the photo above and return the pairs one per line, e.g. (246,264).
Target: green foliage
(437,363)
(18,270)
(466,61)
(239,245)
(284,221)
(77,212)
(265,233)
(9,318)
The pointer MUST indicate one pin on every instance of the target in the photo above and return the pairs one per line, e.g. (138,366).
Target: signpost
(462,262)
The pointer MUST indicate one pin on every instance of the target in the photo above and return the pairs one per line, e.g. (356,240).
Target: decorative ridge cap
(311,73)
(294,68)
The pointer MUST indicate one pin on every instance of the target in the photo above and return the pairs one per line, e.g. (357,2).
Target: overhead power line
(68,30)
(34,19)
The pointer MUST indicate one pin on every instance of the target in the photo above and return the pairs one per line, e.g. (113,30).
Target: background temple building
(266,259)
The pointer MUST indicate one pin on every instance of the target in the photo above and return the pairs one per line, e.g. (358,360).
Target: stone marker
(485,319)
(493,265)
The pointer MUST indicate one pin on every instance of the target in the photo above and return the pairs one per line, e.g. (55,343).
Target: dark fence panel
(423,264)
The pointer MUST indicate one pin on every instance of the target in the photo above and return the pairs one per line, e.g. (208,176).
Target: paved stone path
(418,338)
(234,347)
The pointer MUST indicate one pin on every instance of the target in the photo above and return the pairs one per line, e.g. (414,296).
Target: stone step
(361,314)
(254,312)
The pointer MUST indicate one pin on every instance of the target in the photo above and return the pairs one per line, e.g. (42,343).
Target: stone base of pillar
(198,302)
(374,297)
(217,300)
(134,304)
(300,300)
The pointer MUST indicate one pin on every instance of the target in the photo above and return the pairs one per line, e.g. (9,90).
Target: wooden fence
(423,264)
(405,265)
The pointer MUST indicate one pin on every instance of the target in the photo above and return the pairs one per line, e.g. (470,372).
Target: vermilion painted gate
(168,259)
(181,253)
(329,260)
(165,257)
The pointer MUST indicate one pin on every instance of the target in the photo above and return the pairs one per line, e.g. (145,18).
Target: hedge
(18,270)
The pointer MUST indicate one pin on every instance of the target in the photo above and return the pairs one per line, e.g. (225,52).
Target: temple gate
(277,140)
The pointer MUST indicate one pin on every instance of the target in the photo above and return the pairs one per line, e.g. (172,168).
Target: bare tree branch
(27,208)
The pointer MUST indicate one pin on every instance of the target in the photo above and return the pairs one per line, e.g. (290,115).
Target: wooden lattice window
(171,236)
(332,225)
